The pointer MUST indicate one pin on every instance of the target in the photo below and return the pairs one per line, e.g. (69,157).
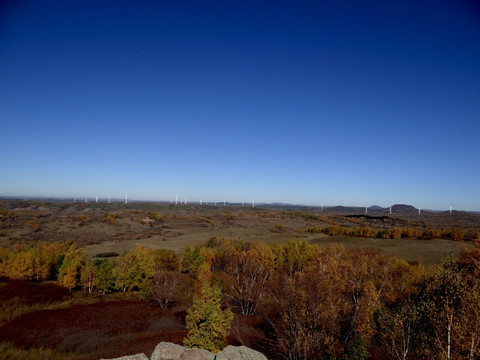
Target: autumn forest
(292,300)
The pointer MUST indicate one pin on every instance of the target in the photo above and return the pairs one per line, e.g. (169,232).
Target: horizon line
(81,199)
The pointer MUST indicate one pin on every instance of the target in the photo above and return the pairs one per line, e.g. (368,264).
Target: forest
(292,301)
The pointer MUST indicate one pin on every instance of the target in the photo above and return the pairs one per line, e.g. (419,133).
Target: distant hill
(345,209)
(402,208)
(25,201)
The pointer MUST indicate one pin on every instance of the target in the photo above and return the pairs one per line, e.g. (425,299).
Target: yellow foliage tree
(88,276)
(69,273)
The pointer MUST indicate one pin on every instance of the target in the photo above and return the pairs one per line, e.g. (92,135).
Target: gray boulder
(131,357)
(168,351)
(239,353)
(197,354)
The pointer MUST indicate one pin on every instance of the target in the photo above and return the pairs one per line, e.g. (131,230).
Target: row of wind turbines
(390,210)
(201,202)
(108,200)
(177,202)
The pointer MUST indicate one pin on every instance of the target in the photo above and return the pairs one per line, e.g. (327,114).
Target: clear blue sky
(340,102)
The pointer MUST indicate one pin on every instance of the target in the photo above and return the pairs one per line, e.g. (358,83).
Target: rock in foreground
(169,351)
(133,357)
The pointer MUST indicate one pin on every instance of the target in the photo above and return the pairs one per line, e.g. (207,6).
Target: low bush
(107,254)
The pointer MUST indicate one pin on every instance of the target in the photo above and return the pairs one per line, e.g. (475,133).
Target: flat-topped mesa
(169,351)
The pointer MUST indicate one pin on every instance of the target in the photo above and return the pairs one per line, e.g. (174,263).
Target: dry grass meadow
(116,228)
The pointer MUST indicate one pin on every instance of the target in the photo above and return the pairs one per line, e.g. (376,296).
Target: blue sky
(340,102)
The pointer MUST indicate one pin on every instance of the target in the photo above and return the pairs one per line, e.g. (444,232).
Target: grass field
(428,252)
(103,228)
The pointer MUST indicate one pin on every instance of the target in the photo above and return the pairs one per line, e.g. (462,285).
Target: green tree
(398,327)
(191,261)
(88,276)
(356,348)
(105,279)
(133,269)
(207,324)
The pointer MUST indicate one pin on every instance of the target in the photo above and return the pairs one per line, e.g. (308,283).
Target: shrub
(107,254)
(207,324)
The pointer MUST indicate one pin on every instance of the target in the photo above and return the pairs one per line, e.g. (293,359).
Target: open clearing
(428,252)
(105,228)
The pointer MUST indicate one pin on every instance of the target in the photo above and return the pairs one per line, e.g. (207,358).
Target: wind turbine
(224,203)
(96,198)
(176,199)
(126,198)
(200,202)
(109,199)
(253,203)
(321,208)
(74,200)
(366,209)
(451,209)
(85,200)
(390,210)
(185,201)
(419,211)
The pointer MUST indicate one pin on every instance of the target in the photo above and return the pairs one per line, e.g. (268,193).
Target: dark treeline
(310,302)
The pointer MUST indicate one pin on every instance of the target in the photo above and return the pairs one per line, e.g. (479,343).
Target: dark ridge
(370,217)
(403,208)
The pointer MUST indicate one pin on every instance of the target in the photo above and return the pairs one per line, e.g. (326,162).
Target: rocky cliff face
(168,351)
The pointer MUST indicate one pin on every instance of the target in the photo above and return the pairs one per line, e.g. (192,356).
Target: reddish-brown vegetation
(104,329)
(30,293)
